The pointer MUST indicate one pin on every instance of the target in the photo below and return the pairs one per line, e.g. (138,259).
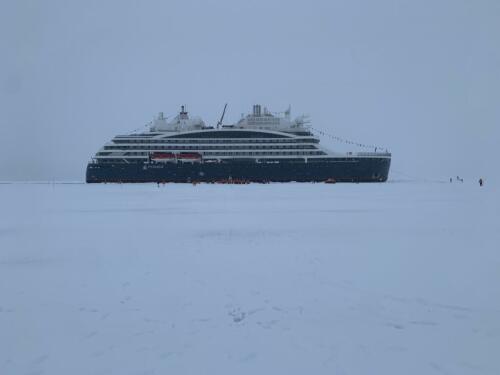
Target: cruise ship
(261,147)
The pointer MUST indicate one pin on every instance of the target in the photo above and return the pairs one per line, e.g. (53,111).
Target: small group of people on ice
(459,179)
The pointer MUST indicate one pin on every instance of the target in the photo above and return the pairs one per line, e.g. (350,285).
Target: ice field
(395,278)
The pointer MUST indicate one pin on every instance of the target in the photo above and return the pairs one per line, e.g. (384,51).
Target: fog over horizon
(421,79)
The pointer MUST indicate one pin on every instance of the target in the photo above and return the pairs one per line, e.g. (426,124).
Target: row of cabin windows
(278,153)
(263,121)
(120,160)
(243,140)
(232,153)
(218,147)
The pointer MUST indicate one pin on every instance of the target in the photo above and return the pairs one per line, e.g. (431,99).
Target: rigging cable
(347,141)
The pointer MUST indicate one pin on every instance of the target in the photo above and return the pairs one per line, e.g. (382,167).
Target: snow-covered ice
(395,278)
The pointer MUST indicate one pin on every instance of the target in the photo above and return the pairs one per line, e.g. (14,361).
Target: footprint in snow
(90,335)
(40,359)
(423,323)
(166,355)
(248,357)
(394,325)
(237,315)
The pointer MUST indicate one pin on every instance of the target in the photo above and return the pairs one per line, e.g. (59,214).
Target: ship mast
(222,117)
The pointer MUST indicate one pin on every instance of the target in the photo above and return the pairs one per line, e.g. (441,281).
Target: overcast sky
(421,78)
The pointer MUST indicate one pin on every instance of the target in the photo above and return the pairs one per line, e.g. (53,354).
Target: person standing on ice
(480,182)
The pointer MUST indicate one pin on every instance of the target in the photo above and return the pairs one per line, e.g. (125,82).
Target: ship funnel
(183,114)
(256,110)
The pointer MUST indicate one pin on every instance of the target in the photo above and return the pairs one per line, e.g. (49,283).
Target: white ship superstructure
(258,135)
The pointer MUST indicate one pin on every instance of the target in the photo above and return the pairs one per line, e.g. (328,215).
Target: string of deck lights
(346,141)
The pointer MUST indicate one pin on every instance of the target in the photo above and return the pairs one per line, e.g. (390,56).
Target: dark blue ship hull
(349,169)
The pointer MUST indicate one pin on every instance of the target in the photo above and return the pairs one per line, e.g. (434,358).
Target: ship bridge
(262,118)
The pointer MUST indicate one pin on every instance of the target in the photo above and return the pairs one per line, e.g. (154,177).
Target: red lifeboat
(189,156)
(162,156)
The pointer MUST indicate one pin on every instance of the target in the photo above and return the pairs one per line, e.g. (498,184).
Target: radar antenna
(222,117)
